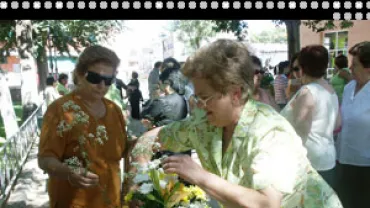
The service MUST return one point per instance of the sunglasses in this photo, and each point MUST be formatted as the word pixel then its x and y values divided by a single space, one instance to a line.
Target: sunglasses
pixel 95 78
pixel 259 72
pixel 295 68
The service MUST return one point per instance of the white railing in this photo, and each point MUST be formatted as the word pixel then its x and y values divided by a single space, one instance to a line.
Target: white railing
pixel 14 152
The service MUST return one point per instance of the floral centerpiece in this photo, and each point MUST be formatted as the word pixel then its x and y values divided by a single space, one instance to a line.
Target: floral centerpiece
pixel 157 189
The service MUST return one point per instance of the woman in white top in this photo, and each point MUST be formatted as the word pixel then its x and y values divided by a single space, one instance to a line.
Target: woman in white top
pixel 353 143
pixel 313 111
pixel 51 92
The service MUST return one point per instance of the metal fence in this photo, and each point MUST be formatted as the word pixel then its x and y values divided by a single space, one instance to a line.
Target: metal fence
pixel 14 152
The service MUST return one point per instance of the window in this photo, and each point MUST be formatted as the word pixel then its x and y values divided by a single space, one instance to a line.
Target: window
pixel 336 43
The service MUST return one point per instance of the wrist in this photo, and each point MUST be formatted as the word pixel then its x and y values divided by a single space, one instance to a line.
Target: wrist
pixel 203 178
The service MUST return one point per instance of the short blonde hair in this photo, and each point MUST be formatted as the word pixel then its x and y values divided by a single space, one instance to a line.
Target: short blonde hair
pixel 225 63
pixel 93 55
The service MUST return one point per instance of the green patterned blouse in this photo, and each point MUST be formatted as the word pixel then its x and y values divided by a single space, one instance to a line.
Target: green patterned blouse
pixel 264 151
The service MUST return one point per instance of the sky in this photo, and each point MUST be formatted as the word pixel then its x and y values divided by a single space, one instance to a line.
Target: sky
pixel 144 31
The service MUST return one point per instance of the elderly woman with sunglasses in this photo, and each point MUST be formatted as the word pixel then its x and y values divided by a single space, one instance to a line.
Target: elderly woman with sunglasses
pixel 83 137
pixel 250 155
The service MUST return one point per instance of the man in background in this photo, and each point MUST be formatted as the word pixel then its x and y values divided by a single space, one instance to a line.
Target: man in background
pixel 281 83
pixel 153 79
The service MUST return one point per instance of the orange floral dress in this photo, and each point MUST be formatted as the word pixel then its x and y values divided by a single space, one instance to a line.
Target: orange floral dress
pixel 69 131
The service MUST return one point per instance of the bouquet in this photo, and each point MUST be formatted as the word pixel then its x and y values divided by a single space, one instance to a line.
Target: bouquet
pixel 160 190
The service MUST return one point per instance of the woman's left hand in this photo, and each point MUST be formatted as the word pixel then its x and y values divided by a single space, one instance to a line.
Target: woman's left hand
pixel 185 167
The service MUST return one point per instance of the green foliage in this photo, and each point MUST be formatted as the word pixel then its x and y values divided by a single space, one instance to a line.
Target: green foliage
pixel 63 32
pixel 235 26
pixel 322 25
pixel 193 32
pixel 275 35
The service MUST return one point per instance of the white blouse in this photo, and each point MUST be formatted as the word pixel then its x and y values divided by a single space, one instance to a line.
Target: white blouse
pixel 353 143
pixel 319 141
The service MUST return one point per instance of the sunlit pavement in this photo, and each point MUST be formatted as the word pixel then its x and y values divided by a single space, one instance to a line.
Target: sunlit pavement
pixel 30 189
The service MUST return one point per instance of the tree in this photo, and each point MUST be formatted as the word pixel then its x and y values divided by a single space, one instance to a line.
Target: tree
pixel 274 35
pixel 238 27
pixel 292 28
pixel 193 32
pixel 60 34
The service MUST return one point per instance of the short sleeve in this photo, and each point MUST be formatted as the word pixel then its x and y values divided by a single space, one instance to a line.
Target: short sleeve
pixel 279 162
pixel 52 144
pixel 123 142
pixel 175 136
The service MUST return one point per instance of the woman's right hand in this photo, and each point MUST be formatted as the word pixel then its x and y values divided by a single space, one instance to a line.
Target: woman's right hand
pixel 83 180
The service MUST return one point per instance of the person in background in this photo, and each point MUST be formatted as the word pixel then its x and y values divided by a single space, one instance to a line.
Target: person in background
pixel 341 75
pixel 353 144
pixel 62 83
pixel 294 78
pixel 259 94
pixel 153 79
pixel 280 84
pixel 51 92
pixel 83 137
pixel 120 85
pixel 173 105
pixel 135 96
pixel 250 155
pixel 314 111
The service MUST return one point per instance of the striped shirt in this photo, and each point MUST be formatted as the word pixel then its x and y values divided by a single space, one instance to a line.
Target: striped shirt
pixel 280 84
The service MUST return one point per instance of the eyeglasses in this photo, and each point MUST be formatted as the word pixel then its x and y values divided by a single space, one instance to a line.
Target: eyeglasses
pixel 258 72
pixel 95 78
pixel 295 68
pixel 202 102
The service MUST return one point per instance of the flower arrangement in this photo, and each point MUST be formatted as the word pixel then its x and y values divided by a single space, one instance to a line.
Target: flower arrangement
pixel 157 189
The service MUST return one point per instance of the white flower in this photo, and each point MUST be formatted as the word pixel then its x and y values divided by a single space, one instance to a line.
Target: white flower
pixel 100 128
pixel 146 188
pixel 67 104
pixel 157 145
pixel 91 135
pixel 143 168
pixel 163 184
pixel 173 178
pixel 76 107
pixel 154 164
pixel 139 178
pixel 99 140
pixel 81 140
pixel 160 170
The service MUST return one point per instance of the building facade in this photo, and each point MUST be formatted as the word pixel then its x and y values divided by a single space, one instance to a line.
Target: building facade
pixel 337 41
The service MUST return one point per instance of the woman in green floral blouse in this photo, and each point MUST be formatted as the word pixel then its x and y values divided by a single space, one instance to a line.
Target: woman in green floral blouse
pixel 250 155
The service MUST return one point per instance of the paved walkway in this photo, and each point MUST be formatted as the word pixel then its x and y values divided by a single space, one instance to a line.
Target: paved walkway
pixel 30 189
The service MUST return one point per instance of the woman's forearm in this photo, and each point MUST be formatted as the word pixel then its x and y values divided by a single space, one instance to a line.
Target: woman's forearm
pixel 234 196
pixel 54 167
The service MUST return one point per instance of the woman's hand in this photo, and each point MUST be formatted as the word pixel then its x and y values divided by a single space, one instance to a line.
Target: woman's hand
pixel 185 167
pixel 83 180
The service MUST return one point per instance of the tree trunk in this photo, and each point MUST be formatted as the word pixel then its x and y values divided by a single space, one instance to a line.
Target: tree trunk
pixel 43 71
pixel 293 36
